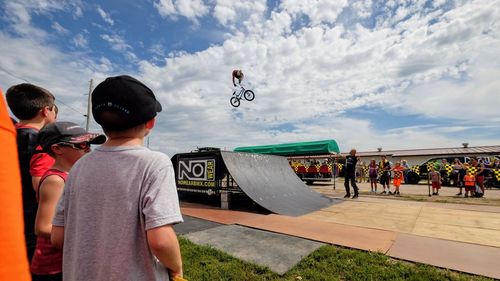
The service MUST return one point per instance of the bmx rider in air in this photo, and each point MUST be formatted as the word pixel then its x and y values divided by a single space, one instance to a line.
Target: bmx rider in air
pixel 237 74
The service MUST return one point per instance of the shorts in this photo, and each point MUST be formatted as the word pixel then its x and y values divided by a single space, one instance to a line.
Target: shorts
pixel 397 182
pixel 436 185
pixel 480 180
pixel 470 188
pixel 384 179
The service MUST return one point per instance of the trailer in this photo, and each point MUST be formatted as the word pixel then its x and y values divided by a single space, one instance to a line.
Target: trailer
pixel 311 161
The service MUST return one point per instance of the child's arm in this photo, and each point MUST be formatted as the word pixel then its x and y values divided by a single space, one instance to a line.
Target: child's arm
pixel 164 245
pixel 49 193
pixel 57 236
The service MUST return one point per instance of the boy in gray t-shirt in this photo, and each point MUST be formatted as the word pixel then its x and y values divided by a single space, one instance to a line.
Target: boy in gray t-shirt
pixel 114 220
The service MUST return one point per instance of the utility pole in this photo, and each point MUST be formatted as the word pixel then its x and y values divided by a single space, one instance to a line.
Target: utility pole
pixel 89 106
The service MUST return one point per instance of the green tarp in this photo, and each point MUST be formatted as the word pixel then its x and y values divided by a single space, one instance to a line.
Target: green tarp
pixel 297 148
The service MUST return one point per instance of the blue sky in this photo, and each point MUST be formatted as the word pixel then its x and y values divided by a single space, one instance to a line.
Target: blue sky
pixel 393 74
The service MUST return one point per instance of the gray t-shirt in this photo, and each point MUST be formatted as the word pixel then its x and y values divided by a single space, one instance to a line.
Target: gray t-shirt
pixel 111 197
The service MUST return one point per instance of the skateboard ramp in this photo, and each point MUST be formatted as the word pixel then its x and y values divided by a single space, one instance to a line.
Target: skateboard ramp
pixel 270 182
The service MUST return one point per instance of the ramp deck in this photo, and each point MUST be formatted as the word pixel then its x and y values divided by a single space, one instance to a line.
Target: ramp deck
pixel 270 182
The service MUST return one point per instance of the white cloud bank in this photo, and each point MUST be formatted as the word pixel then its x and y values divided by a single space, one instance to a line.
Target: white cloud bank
pixel 310 63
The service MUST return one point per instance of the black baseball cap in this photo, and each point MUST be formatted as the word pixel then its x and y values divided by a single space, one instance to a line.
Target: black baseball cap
pixel 131 102
pixel 66 132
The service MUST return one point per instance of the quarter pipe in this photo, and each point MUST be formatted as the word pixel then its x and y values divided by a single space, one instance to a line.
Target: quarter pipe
pixel 267 179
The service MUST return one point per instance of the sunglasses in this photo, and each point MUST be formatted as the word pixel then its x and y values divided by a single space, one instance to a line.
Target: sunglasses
pixel 81 145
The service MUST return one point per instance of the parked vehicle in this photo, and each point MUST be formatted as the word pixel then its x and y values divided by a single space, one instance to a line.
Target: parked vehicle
pixel 420 172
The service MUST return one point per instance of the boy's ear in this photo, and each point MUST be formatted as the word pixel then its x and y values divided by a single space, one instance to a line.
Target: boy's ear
pixel 150 124
pixel 56 149
pixel 46 111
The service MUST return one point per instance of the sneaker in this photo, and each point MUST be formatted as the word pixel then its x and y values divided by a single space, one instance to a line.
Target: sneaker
pixel 347 196
pixel 383 192
pixel 355 196
pixel 460 193
pixel 390 193
pixel 397 192
pixel 466 196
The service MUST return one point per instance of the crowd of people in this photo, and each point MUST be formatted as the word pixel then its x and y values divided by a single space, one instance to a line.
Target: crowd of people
pixel 114 205
pixel 469 177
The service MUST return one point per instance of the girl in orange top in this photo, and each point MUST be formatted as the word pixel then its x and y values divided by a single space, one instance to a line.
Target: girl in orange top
pixel 398 176
pixel 470 184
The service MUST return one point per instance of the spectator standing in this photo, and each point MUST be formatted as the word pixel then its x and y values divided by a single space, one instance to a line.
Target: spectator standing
pixel 349 174
pixel 120 201
pixel 34 107
pixel 406 170
pixel 398 176
pixel 479 175
pixel 385 177
pixel 435 178
pixel 457 176
pixel 66 142
pixel 469 182
pixel 443 172
pixel 372 173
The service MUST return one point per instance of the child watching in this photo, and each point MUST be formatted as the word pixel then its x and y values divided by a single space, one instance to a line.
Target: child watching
pixel 114 220
pixel 372 173
pixel 435 178
pixel 398 176
pixel 34 107
pixel 66 142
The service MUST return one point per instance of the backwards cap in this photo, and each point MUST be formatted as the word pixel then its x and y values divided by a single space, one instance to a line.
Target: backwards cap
pixel 131 102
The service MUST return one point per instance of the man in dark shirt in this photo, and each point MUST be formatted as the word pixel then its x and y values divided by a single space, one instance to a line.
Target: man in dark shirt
pixel 350 174
pixel 385 177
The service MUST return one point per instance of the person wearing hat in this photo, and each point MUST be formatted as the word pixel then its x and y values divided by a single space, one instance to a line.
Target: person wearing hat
pixel 66 142
pixel 120 201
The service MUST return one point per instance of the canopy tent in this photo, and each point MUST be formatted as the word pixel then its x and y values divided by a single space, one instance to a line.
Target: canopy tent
pixel 294 149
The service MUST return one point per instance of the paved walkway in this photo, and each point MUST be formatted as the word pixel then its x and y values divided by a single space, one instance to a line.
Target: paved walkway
pixel 460 237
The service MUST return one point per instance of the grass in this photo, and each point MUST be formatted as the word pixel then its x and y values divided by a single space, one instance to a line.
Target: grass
pixel 324 264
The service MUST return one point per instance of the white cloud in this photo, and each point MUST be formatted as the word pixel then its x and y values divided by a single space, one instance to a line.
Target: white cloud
pixel 105 16
pixel 191 9
pixel 78 12
pixel 438 66
pixel 81 41
pixel 235 14
pixel 116 42
pixel 311 76
pixel 59 28
pixel 63 74
pixel 318 11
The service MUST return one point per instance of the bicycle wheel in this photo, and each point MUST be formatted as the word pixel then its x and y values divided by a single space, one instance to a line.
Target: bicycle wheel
pixel 235 101
pixel 249 95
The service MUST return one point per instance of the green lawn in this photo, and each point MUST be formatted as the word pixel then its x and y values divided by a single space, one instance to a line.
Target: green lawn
pixel 326 263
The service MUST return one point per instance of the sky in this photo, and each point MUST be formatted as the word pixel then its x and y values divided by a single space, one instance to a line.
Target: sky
pixel 396 74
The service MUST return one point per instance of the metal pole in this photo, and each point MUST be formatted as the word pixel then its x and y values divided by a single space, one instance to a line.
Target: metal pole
pixel 334 170
pixel 89 106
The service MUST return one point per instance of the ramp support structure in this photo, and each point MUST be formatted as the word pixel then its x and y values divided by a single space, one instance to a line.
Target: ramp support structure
pixel 225 200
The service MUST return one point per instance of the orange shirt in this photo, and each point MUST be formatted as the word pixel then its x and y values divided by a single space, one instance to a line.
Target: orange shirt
pixel 398 172
pixel 469 180
pixel 13 259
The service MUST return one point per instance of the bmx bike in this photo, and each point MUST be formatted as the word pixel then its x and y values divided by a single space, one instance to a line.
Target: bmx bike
pixel 243 93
